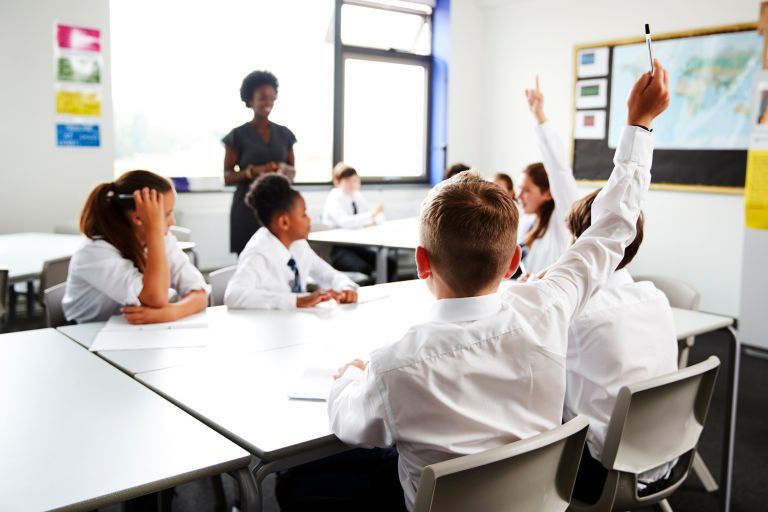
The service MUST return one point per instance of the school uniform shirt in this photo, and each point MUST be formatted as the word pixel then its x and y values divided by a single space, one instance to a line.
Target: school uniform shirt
pixel 546 250
pixel 344 211
pixel 625 334
pixel 101 280
pixel 264 279
pixel 490 370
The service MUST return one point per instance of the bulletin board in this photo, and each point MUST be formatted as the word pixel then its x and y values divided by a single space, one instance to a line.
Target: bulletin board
pixel 701 140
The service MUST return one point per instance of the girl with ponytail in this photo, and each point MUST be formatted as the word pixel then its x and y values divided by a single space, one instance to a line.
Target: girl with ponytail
pixel 130 262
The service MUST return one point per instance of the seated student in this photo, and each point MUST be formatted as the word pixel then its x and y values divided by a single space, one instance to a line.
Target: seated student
pixel 504 181
pixel 455 169
pixel 485 369
pixel 276 264
pixel 345 207
pixel 624 334
pixel 130 261
pixel 547 191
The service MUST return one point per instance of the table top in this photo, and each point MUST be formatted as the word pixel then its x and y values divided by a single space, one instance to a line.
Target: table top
pixel 78 433
pixel 23 254
pixel 693 323
pixel 396 234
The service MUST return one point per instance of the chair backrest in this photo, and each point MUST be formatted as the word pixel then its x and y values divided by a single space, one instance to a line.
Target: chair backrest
pixel 54 272
pixel 219 279
pixel 181 234
pixel 656 420
pixel 54 313
pixel 3 289
pixel 535 474
pixel 679 293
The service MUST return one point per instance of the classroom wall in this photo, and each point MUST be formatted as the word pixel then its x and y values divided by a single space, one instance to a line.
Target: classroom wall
pixel 695 237
pixel 42 186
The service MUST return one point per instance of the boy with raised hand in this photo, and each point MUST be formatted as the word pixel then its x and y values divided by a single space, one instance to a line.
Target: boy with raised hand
pixel 487 369
pixel 273 269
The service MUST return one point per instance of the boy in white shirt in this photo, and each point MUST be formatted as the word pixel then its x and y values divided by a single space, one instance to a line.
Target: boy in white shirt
pixel 487 369
pixel 346 207
pixel 624 334
pixel 276 264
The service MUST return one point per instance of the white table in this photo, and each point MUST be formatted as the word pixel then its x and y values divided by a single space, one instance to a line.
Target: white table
pixel 392 234
pixel 260 359
pixel 78 434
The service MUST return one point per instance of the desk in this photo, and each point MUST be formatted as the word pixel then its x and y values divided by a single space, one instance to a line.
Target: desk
pixel 78 434
pixel 693 323
pixel 392 234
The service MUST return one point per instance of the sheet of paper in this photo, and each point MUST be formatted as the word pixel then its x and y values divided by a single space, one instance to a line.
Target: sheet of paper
pixel 119 323
pixel 592 62
pixel 592 93
pixel 590 124
pixel 314 384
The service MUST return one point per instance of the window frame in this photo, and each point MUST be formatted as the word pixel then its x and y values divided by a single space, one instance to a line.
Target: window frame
pixel 342 52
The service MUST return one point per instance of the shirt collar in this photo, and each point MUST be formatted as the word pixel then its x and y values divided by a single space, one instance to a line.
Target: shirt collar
pixel 276 246
pixel 466 309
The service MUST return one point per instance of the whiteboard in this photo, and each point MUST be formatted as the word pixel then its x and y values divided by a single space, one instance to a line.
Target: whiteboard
pixel 753 318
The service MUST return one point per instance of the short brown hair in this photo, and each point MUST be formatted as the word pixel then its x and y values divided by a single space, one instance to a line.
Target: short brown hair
pixel 454 170
pixel 469 227
pixel 342 170
pixel 579 218
pixel 508 183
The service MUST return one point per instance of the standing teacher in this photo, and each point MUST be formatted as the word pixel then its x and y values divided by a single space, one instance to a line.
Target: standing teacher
pixel 257 147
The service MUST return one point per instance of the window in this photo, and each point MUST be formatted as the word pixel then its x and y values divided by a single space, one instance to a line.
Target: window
pixel 382 91
pixel 176 73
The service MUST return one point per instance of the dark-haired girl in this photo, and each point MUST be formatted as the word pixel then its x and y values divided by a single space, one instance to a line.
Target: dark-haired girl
pixel 258 147
pixel 547 191
pixel 130 264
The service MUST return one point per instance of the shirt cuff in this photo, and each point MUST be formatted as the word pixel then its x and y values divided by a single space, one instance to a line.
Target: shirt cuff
pixel 635 145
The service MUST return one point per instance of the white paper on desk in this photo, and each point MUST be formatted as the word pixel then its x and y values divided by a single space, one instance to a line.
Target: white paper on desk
pixel 118 334
pixel 314 384
pixel 369 294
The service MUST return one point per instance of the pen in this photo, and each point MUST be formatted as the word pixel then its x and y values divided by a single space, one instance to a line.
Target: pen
pixel 648 42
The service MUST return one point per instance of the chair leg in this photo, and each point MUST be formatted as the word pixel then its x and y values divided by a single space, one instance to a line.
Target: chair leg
pixel 702 471
pixel 664 506
pixel 219 498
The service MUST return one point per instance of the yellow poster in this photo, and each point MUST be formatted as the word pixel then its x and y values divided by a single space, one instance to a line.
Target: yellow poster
pixel 78 103
pixel 756 190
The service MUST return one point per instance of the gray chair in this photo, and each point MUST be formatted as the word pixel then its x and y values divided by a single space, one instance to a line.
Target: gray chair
pixel 653 422
pixel 185 235
pixel 54 272
pixel 531 475
pixel 54 313
pixel 218 280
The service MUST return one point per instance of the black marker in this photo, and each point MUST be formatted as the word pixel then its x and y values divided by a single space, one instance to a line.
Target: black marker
pixel 648 42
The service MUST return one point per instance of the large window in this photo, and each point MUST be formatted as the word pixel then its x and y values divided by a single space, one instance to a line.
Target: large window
pixel 354 83
pixel 382 88
pixel 176 73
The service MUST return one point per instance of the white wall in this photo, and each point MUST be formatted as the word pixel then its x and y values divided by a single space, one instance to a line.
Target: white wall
pixel 42 186
pixel 696 237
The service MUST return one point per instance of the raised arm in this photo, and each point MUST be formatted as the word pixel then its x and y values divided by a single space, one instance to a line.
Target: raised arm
pixel 562 184
pixel 597 252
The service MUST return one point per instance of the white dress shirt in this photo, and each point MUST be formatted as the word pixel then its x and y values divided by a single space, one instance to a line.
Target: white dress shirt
pixel 546 250
pixel 101 280
pixel 339 212
pixel 263 279
pixel 486 371
pixel 624 334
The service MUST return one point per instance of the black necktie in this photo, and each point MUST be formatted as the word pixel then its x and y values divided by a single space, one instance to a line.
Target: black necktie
pixel 296 288
pixel 354 208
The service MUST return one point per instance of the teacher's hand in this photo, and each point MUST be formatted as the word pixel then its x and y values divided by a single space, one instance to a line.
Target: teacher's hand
pixel 286 170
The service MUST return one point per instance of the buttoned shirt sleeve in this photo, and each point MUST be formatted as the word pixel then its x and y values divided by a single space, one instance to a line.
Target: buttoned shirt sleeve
pixel 103 267
pixel 562 184
pixel 250 287
pixel 185 277
pixel 593 258
pixel 357 410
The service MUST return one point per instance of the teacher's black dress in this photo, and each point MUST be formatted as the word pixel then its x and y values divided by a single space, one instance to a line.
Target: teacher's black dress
pixel 252 149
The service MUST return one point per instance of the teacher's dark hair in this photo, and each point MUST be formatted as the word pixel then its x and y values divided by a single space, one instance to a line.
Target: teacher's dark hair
pixel 105 213
pixel 253 81
pixel 270 196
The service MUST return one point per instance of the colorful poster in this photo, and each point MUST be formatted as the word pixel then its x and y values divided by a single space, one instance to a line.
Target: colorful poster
pixel 77 68
pixel 592 93
pixel 590 124
pixel 756 189
pixel 78 103
pixel 78 38
pixel 83 135
pixel 592 62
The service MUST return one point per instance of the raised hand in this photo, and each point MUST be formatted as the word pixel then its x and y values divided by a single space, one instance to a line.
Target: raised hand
pixel 536 102
pixel 150 209
pixel 649 96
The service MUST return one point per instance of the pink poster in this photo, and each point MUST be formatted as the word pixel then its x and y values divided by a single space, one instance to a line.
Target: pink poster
pixel 78 38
